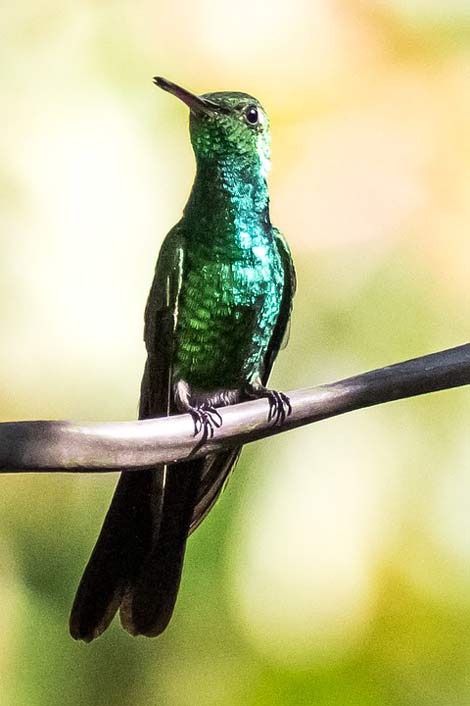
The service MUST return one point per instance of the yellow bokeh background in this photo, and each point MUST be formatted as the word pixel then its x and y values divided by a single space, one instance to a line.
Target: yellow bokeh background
pixel 335 570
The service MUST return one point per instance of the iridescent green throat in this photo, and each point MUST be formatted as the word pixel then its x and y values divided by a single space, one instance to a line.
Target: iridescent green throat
pixel 229 204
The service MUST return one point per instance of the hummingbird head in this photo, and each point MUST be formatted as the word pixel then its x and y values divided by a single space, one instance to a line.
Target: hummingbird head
pixel 226 126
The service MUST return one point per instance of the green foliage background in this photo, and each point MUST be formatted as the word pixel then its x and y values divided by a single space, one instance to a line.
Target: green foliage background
pixel 336 567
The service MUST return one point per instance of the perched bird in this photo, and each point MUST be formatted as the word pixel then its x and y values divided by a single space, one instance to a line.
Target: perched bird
pixel 216 316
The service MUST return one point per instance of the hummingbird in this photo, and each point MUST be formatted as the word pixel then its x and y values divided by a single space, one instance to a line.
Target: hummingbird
pixel 215 320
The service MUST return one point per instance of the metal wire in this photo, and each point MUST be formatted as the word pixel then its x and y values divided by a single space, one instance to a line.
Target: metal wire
pixel 55 446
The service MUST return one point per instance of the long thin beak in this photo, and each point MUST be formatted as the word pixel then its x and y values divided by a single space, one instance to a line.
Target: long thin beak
pixel 195 103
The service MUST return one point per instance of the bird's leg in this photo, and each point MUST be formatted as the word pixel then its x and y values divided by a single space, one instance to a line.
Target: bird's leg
pixel 205 416
pixel 279 403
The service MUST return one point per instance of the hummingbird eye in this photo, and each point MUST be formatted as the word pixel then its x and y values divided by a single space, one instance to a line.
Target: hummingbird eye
pixel 251 115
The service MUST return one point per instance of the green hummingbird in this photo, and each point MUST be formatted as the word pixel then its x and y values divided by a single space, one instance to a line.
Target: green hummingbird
pixel 215 319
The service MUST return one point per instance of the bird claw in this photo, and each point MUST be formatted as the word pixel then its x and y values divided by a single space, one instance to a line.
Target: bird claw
pixel 279 403
pixel 206 420
pixel 279 407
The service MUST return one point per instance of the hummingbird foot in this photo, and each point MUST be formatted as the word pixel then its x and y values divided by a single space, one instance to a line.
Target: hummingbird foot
pixel 206 417
pixel 206 420
pixel 279 404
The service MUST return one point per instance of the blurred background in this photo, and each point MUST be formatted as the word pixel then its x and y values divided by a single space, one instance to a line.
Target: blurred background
pixel 336 567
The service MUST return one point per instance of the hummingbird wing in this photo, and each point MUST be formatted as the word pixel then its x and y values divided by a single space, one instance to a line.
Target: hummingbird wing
pixel 133 519
pixel 149 600
pixel 215 473
pixel 281 328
